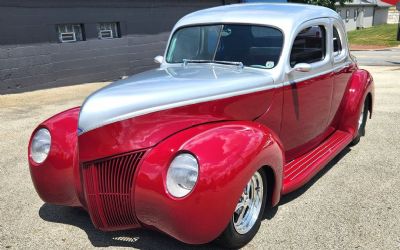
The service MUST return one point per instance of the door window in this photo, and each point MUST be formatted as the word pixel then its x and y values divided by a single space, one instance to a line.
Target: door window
pixel 309 46
pixel 337 43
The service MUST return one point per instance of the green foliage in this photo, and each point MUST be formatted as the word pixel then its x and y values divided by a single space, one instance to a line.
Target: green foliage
pixel 327 3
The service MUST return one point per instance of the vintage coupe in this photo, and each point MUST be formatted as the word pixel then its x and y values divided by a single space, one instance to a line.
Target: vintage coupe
pixel 249 103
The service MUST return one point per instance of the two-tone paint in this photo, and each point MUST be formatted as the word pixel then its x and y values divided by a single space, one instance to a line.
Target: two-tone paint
pixel 234 120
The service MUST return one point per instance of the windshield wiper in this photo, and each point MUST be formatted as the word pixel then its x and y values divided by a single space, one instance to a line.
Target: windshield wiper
pixel 186 61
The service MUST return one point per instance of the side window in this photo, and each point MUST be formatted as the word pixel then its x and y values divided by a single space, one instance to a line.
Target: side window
pixel 337 43
pixel 309 46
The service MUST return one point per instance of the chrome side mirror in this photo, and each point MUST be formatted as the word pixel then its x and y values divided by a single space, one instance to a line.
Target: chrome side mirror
pixel 158 59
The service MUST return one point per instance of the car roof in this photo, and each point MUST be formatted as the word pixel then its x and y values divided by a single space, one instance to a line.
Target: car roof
pixel 281 15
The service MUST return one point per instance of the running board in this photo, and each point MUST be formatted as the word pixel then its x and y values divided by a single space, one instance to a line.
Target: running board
pixel 299 171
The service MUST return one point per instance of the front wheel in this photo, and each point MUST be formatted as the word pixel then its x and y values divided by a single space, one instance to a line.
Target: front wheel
pixel 249 210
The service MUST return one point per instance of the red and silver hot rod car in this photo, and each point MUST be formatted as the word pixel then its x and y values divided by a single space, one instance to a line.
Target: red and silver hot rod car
pixel 250 101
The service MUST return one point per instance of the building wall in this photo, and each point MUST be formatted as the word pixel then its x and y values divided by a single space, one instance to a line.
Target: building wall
pixel 363 20
pixel 393 15
pixel 380 16
pixel 31 56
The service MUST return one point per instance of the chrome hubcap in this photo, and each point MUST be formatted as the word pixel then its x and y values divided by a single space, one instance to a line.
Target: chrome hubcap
pixel 249 205
pixel 360 119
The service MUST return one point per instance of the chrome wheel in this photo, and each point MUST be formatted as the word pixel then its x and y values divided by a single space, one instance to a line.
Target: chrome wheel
pixel 249 206
pixel 361 118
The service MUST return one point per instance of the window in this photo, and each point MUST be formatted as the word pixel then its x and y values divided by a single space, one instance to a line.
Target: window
pixel 337 43
pixel 355 14
pixel 347 15
pixel 254 46
pixel 70 33
pixel 309 46
pixel 339 12
pixel 108 30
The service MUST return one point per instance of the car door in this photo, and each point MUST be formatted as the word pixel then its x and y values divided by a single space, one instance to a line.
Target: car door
pixel 342 66
pixel 307 95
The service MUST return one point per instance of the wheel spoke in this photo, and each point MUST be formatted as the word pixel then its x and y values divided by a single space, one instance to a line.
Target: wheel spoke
pixel 241 215
pixel 239 205
pixel 249 205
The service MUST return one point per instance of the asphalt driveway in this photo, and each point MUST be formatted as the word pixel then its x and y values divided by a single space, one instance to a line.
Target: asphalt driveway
pixel 353 203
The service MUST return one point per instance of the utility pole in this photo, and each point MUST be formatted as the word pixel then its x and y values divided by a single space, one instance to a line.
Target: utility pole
pixel 398 23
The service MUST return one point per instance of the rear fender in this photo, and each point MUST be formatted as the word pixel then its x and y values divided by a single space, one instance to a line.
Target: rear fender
pixel 361 84
pixel 228 154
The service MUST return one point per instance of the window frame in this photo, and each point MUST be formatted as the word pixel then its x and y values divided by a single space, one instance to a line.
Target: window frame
pixel 278 64
pixel 72 32
pixel 336 53
pixel 114 29
pixel 318 22
pixel 347 15
pixel 340 57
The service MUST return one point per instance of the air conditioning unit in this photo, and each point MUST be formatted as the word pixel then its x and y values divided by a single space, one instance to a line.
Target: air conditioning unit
pixel 106 34
pixel 66 37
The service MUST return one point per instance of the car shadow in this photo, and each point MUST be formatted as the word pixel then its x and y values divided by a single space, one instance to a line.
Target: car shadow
pixel 149 239
pixel 137 238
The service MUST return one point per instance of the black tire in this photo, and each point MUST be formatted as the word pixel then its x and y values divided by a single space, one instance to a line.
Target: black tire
pixel 361 129
pixel 230 238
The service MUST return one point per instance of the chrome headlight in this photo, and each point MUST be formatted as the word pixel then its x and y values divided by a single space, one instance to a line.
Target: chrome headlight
pixel 182 175
pixel 40 146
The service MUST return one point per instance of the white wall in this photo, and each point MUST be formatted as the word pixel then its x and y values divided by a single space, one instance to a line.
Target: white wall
pixel 393 15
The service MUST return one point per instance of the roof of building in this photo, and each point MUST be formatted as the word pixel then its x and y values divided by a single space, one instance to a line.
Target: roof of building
pixel 274 14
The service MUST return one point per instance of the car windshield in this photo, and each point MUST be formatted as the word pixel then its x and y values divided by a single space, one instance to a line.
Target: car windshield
pixel 248 45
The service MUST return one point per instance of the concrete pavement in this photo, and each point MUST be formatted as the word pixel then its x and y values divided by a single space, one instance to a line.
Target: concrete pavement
pixel 379 57
pixel 353 203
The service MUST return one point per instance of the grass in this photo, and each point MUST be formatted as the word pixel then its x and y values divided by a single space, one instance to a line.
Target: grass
pixel 380 35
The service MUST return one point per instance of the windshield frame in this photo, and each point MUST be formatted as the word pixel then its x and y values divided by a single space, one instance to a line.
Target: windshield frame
pixel 226 23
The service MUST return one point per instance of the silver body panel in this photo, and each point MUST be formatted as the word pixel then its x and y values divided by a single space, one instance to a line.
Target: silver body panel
pixel 162 89
pixel 174 85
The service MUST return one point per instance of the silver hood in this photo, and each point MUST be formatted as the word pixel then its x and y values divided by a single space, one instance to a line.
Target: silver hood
pixel 171 87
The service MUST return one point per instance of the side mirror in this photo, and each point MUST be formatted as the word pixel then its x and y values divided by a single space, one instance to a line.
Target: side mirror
pixel 302 67
pixel 158 59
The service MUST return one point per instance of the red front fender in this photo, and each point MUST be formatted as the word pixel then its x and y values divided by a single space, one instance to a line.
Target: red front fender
pixel 228 154
pixel 57 180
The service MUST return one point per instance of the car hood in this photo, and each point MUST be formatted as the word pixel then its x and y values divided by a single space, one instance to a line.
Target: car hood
pixel 166 88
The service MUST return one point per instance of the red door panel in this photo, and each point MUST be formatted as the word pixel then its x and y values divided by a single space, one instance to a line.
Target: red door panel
pixel 306 111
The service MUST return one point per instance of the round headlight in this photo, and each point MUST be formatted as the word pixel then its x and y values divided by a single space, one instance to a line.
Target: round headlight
pixel 182 175
pixel 40 146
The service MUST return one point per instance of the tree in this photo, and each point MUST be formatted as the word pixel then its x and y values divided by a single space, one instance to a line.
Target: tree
pixel 327 3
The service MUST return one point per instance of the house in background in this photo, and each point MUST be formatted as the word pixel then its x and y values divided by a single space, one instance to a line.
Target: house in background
pixel 359 14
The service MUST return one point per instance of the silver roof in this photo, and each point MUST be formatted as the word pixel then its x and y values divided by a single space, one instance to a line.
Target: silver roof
pixel 282 15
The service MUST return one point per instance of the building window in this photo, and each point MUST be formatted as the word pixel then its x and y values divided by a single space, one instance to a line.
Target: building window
pixel 339 12
pixel 355 14
pixel 309 46
pixel 70 33
pixel 108 30
pixel 347 15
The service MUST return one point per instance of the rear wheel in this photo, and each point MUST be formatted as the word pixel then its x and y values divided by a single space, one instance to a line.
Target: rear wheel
pixel 362 121
pixel 246 219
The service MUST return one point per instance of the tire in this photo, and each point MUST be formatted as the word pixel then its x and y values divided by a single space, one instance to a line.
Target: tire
pixel 239 232
pixel 362 121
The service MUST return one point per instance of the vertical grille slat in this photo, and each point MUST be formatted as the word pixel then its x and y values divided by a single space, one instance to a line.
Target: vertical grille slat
pixel 108 184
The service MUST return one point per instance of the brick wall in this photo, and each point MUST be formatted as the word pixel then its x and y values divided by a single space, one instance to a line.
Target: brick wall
pixel 32 58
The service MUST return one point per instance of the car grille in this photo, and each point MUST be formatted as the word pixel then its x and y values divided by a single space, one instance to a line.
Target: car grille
pixel 108 183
